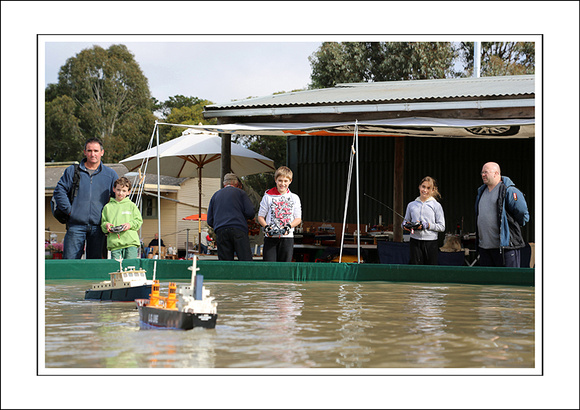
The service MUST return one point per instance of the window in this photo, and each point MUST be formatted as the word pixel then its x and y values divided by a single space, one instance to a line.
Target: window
pixel 149 207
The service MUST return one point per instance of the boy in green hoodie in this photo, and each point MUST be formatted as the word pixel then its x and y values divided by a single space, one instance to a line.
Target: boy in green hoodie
pixel 121 220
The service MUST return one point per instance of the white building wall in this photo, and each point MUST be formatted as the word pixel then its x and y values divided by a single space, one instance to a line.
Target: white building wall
pixel 189 194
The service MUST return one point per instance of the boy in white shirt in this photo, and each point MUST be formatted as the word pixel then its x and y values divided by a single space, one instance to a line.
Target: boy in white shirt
pixel 280 212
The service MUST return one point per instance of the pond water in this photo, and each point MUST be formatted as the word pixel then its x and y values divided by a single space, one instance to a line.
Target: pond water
pixel 314 325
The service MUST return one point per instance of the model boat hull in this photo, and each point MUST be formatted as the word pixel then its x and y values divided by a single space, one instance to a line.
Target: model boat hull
pixel 128 294
pixel 174 319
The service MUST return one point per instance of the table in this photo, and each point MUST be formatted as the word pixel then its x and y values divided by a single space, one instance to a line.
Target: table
pixel 362 246
pixel 369 237
pixel 309 253
pixel 206 257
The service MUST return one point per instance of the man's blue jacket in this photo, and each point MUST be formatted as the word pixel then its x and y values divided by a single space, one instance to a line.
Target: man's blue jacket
pixel 93 193
pixel 230 207
pixel 512 211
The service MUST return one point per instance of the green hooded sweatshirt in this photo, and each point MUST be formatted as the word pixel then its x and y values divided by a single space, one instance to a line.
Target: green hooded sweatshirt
pixel 119 213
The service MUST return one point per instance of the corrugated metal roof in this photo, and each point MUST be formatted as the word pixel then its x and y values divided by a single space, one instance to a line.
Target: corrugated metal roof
pixel 452 88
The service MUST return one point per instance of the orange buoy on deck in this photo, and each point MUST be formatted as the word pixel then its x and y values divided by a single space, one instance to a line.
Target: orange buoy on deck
pixel 154 296
pixel 172 296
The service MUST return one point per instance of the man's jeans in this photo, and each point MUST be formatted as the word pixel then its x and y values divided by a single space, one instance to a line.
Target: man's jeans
pixel 74 242
pixel 493 257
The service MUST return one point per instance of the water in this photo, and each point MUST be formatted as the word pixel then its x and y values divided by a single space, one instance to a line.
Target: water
pixel 303 325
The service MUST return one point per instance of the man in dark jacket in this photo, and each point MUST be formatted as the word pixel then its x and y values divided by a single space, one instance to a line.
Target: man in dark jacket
pixel 500 210
pixel 94 191
pixel 228 213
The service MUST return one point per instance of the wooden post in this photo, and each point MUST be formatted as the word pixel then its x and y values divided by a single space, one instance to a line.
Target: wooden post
pixel 398 177
pixel 226 156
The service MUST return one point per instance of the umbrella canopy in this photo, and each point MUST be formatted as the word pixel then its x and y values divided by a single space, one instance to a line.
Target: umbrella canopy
pixel 195 217
pixel 198 153
pixel 183 156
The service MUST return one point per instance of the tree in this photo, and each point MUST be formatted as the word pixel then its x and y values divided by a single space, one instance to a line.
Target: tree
pixel 416 61
pixel 182 110
pixel 335 63
pixel 111 100
pixel 178 101
pixel 500 58
pixel 60 121
pixel 350 62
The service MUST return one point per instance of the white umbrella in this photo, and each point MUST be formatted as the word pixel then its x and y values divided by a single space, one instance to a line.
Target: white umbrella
pixel 194 150
pixel 197 152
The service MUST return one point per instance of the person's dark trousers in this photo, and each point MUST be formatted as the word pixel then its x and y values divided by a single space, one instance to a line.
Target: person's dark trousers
pixel 75 238
pixel 423 252
pixel 493 257
pixel 230 241
pixel 278 249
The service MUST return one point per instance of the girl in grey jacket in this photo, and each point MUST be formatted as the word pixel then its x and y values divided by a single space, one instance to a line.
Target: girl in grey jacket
pixel 426 211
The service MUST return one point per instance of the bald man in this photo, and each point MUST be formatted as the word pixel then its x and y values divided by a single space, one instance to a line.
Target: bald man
pixel 500 211
pixel 228 213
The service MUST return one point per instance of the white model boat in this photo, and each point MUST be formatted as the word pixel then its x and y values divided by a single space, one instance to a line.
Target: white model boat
pixel 125 285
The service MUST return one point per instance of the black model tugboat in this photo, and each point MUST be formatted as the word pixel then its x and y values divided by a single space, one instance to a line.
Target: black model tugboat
pixel 185 307
pixel 125 286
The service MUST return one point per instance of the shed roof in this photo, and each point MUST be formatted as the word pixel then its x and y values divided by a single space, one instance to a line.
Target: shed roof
pixel 53 172
pixel 520 86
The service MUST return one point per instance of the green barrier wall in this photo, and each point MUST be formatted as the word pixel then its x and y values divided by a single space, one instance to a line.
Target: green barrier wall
pixel 98 270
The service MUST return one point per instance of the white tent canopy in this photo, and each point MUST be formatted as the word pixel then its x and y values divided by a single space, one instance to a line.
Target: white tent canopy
pixel 411 126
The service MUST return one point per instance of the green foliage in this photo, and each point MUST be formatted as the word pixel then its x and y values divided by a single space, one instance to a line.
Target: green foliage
pixel 183 110
pixel 351 62
pixel 335 63
pixel 64 139
pixel 51 92
pixel 180 101
pixel 500 58
pixel 111 100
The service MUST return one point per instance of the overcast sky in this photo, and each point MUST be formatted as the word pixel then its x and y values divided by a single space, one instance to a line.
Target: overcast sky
pixel 217 70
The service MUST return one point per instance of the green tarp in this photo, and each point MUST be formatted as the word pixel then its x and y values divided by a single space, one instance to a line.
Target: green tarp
pixel 98 270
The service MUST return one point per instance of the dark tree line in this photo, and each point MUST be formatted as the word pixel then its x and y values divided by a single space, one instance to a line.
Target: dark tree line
pixel 348 62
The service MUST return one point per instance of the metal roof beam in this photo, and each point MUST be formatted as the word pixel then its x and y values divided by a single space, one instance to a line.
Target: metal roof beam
pixel 369 108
